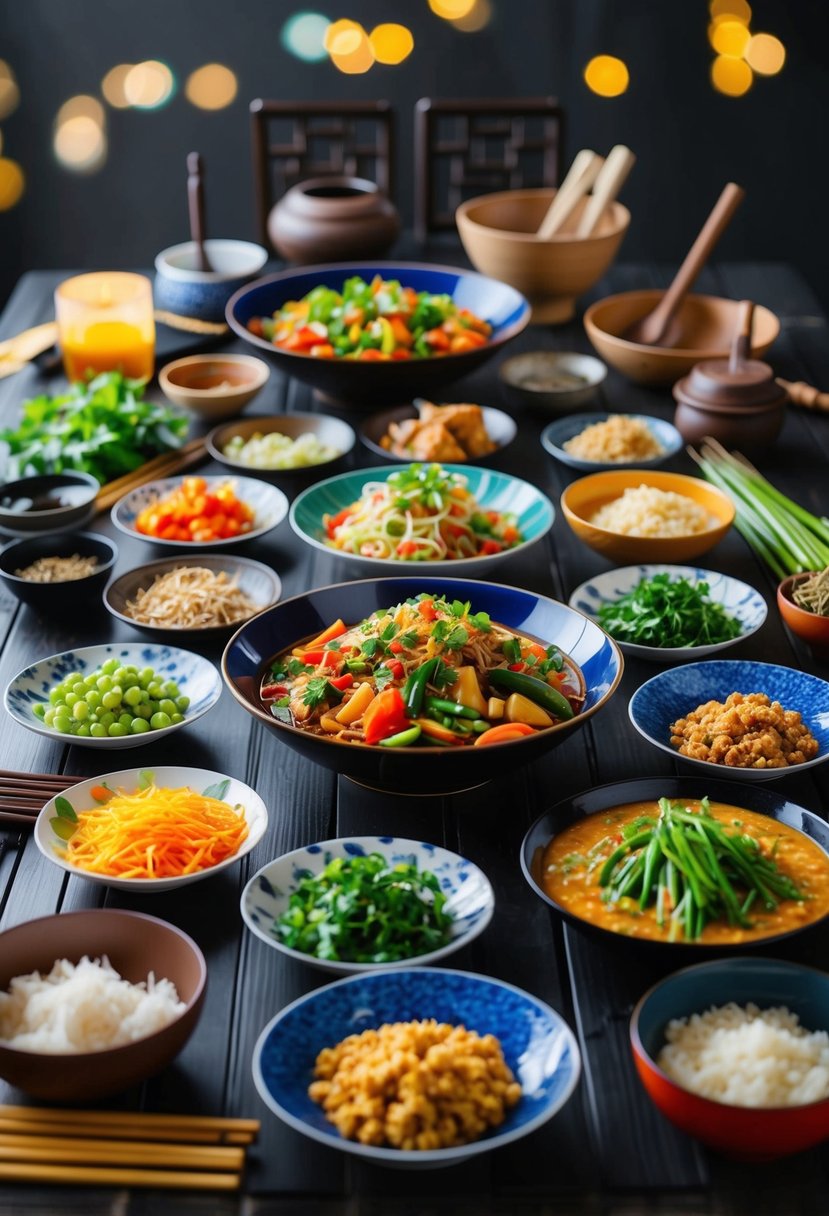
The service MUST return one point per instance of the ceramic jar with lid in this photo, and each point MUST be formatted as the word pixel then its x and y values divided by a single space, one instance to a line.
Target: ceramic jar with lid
pixel 333 219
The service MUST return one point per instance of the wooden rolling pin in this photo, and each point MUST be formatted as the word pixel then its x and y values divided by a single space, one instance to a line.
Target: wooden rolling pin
pixel 801 393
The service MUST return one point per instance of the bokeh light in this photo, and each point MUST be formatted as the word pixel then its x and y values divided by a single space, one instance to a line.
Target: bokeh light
pixel 9 92
pixel 148 85
pixel 212 87
pixel 730 76
pixel 335 29
pixel 80 144
pixel 350 50
pixel 81 106
pixel 451 10
pixel 1 141
pixel 476 19
pixel 391 43
pixel 607 76
pixel 766 54
pixel 737 10
pixel 730 38
pixel 113 85
pixel 304 36
pixel 12 183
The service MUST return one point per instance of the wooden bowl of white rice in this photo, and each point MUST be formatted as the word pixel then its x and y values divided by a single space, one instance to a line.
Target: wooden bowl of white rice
pixel 736 1053
pixel 94 1002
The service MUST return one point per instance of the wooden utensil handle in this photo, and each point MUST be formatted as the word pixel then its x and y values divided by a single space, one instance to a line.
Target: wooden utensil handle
pixel 697 256
pixel 609 182
pixel 195 204
pixel 583 172
pixel 801 393
pixel 741 345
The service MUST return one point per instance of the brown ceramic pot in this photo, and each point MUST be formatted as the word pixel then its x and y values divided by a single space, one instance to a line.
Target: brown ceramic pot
pixel 333 219
pixel 742 427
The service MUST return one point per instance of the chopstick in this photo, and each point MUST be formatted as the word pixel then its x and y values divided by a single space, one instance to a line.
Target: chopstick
pixel 73 1151
pixel 23 795
pixel 168 464
pixel 108 1176
pixel 24 1115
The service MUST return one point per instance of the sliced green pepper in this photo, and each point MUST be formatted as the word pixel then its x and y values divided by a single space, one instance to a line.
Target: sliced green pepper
pixel 414 690
pixel 511 649
pixel 529 686
pixel 403 738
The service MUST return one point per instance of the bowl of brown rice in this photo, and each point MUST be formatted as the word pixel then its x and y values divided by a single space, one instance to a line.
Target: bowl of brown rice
pixel 591 442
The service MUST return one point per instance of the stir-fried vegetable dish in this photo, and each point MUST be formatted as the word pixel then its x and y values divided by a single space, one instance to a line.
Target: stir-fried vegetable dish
pixel 379 321
pixel 421 513
pixel 428 672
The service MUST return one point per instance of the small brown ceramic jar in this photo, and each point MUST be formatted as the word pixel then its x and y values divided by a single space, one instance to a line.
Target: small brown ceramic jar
pixel 741 407
pixel 333 219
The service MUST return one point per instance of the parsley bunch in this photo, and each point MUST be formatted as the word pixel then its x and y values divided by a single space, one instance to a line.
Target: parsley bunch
pixel 659 612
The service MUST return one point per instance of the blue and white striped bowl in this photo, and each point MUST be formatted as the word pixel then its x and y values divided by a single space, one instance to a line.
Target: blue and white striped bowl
pixel 197 679
pixel 470 898
pixel 738 599
pixel 680 690
pixel 538 1046
pixel 492 490
pixel 554 437
pixel 268 503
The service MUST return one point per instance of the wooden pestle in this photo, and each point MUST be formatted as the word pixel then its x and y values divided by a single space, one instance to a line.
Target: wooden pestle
pixel 195 204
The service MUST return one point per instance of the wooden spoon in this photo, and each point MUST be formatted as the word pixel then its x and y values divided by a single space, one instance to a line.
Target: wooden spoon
pixel 611 178
pixel 583 172
pixel 651 330
pixel 195 204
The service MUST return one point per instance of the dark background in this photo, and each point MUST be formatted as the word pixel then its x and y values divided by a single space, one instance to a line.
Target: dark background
pixel 689 139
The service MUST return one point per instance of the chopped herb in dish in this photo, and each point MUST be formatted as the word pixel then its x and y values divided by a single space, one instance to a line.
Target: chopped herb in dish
pixel 663 612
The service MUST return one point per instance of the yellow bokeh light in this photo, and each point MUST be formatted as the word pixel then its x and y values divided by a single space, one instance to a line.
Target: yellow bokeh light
pixel 351 52
pixel 12 183
pixel 607 76
pixel 391 43
pixel 476 19
pixel 730 76
pixel 451 10
pixel 1 141
pixel 148 85
pixel 737 10
pixel 335 29
pixel 82 106
pixel 766 54
pixel 80 144
pixel 730 38
pixel 113 85
pixel 9 92
pixel 212 87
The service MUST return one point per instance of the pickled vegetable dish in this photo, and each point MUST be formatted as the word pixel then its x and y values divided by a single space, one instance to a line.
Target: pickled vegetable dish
pixel 378 321
pixel 421 513
pixel 428 672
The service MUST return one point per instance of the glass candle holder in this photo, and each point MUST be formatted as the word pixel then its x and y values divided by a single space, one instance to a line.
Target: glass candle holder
pixel 105 323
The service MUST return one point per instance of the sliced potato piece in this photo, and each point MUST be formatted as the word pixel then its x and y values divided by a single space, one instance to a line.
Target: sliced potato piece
pixel 467 691
pixel 522 709
pixel 356 705
pixel 495 709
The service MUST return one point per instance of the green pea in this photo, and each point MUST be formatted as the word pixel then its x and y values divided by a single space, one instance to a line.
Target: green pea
pixel 144 711
pixel 70 699
pixel 111 700
pixel 145 675
pixel 56 695
pixel 183 703
pixel 171 689
pixel 49 716
pixel 83 730
pixel 132 696
pixel 167 706
pixel 64 725
pixel 155 689
pixel 125 720
pixel 119 675
pixel 107 718
pixel 93 698
pixel 159 720
pixel 116 730
pixel 103 684
pixel 91 680
pixel 39 709
pixel 97 730
pixel 139 725
pixel 176 718
pixel 80 710
pixel 109 666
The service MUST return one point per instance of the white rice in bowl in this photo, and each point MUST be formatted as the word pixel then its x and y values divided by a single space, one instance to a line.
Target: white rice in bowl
pixel 747 1057
pixel 83 1007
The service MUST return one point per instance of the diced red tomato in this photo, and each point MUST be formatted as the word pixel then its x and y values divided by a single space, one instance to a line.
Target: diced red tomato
pixel 342 682
pixel 396 668
pixel 336 520
pixel 395 647
pixel 491 546
pixel 426 608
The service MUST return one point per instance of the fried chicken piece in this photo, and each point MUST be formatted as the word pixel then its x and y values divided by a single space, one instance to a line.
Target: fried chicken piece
pixel 466 423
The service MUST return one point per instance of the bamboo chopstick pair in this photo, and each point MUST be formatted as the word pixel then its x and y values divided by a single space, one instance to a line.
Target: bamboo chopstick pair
pixel 123 1148
pixel 23 794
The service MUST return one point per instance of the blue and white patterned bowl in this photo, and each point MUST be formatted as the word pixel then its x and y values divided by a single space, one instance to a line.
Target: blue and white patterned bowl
pixel 470 898
pixel 738 599
pixel 678 691
pixel 554 437
pixel 494 491
pixel 538 1046
pixel 196 677
pixel 79 797
pixel 269 504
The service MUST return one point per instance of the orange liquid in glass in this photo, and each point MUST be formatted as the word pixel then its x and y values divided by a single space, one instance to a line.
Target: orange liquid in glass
pixel 109 346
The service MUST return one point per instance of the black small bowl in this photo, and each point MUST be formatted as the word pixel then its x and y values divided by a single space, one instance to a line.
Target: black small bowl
pixel 331 431
pixel 58 597
pixel 499 426
pixel 76 488
pixel 649 789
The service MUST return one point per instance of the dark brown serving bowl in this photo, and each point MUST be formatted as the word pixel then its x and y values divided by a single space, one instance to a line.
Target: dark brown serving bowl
pixel 135 944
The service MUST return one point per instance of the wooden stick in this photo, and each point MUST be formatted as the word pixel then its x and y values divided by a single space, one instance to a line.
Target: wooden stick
pixel 104 1131
pixel 88 1175
pixel 11 774
pixel 582 174
pixel 75 1118
pixel 24 820
pixel 67 1151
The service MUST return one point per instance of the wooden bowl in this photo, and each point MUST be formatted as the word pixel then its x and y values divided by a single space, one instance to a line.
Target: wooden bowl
pixel 812 628
pixel 702 329
pixel 498 232
pixel 213 386
pixel 583 498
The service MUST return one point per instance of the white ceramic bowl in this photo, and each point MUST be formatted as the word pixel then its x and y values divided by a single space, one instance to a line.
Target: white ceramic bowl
pixel 197 679
pixel 172 776
pixel 270 506
pixel 469 894
pixel 740 600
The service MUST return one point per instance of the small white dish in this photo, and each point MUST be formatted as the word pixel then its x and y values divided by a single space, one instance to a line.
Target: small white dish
pixel 269 504
pixel 80 798
pixel 738 599
pixel 470 897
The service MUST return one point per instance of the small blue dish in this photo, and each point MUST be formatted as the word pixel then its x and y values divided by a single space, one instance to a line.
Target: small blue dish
pixel 469 896
pixel 182 288
pixel 363 384
pixel 680 690
pixel 538 1046
pixel 740 601
pixel 554 437
pixel 493 491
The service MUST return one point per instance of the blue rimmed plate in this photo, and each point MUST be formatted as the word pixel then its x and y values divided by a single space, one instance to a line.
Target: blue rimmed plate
pixel 538 1046
pixel 493 491
pixel 469 896
pixel 680 690
pixel 268 503
pixel 197 679
pixel 741 601
pixel 554 437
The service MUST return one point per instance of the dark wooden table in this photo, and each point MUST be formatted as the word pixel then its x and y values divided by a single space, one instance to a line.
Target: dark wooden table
pixel 608 1151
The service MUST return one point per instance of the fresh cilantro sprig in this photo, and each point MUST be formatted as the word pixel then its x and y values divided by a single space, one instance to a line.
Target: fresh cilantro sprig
pixel 661 612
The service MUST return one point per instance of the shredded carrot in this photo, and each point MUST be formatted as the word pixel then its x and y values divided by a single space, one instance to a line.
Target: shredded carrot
pixel 156 833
